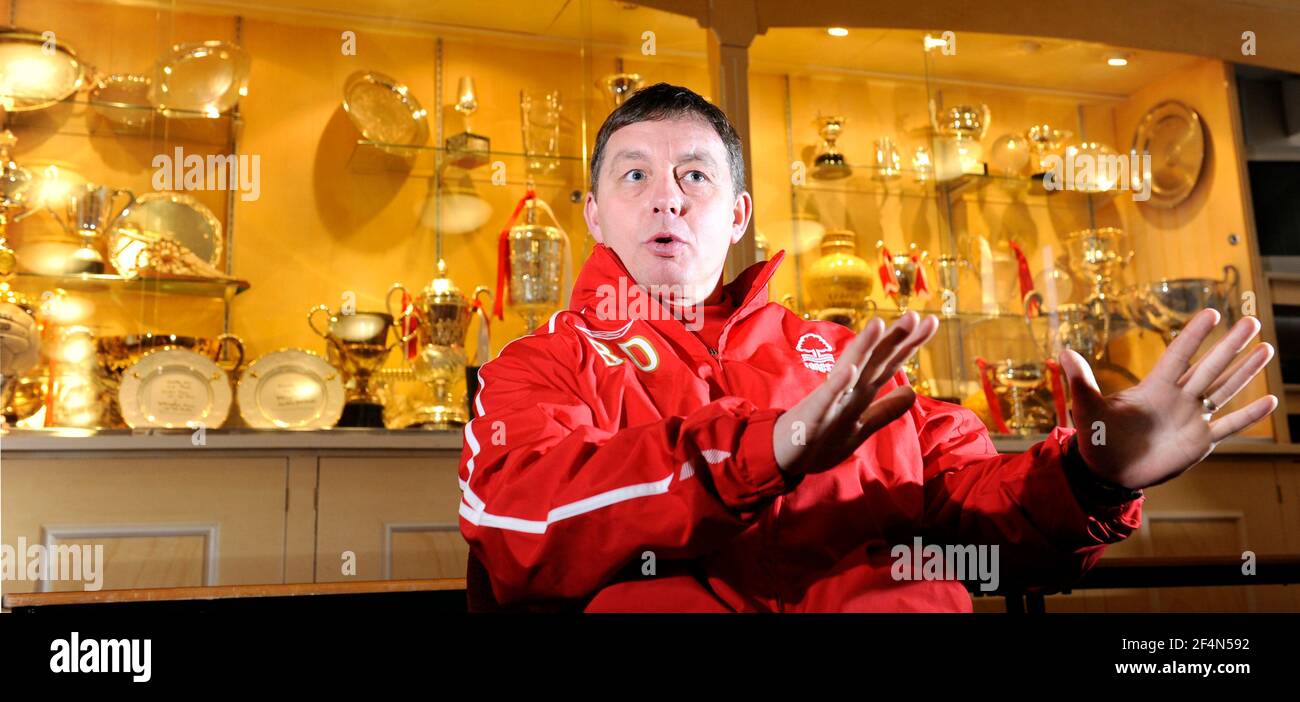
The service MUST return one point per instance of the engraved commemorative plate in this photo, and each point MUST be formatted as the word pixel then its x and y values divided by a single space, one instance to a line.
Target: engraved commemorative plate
pixel 1172 134
pixel 385 111
pixel 36 70
pixel 174 388
pixel 199 80
pixel 291 389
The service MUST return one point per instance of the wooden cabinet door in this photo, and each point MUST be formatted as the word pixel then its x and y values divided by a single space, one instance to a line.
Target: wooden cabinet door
pixel 1224 507
pixel 160 521
pixel 395 517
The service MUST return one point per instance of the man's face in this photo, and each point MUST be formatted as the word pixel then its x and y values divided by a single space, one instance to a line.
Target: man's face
pixel 666 204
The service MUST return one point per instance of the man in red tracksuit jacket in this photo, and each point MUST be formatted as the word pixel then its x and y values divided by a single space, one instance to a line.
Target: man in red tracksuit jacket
pixel 671 443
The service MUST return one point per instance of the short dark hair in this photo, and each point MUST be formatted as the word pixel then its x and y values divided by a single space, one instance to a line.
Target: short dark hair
pixel 664 101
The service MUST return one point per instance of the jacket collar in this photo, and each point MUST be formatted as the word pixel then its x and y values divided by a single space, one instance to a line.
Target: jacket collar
pixel 604 271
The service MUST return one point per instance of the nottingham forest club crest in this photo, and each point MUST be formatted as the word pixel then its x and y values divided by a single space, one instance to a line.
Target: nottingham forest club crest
pixel 816 353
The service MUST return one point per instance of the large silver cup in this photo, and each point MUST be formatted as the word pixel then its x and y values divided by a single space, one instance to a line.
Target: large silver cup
pixel 89 211
pixel 1166 306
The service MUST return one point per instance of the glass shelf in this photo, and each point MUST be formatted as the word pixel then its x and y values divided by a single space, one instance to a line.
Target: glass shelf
pixel 423 161
pixel 35 283
pixel 888 314
pixel 81 116
pixel 868 180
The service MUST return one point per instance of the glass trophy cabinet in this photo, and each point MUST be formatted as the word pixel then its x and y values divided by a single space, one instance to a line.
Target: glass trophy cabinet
pixel 313 217
pixel 1036 194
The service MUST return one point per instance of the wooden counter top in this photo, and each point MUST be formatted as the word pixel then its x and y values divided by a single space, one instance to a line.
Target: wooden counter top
pixel 223 592
pixel 113 440
pixel 64 440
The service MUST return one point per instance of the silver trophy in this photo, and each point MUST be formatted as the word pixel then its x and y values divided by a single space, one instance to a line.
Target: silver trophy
pixel 1166 306
pixel 536 267
pixel 949 269
pixel 90 211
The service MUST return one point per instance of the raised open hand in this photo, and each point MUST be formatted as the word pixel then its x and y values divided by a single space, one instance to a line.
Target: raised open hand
pixel 1164 425
pixel 830 423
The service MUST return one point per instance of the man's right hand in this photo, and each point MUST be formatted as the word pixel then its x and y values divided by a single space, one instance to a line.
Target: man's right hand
pixel 828 425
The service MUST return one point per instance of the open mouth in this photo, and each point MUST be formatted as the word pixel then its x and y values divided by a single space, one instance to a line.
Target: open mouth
pixel 666 245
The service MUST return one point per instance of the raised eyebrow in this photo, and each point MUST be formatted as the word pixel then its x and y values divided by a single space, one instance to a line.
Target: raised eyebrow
pixel 629 154
pixel 697 156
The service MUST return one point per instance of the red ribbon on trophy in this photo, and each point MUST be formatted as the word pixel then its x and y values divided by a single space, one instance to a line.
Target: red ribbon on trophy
pixel 1058 393
pixel 888 282
pixel 1026 280
pixel 920 288
pixel 484 331
pixel 995 410
pixel 503 256
pixel 411 348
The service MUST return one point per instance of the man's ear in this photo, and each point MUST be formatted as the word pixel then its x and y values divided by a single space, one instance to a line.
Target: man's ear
pixel 593 222
pixel 741 213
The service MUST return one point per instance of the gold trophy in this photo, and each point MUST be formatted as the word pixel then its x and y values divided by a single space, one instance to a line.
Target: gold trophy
pixel 830 164
pixel 442 314
pixel 15 183
pixel 1098 255
pixel 537 255
pixel 620 86
pixel 839 284
pixel 20 351
pixel 89 213
pixel 1024 380
pixel 358 345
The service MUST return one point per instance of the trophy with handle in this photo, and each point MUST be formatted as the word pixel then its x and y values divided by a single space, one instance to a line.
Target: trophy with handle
pixel 440 316
pixel 1167 305
pixel 903 275
pixel 89 212
pixel 358 344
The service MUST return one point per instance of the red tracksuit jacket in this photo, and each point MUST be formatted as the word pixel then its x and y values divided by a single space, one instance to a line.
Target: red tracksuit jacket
pixel 603 444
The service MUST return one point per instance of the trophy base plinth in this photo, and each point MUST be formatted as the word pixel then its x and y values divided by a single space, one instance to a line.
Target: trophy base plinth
pixel 362 414
pixel 78 267
pixel 831 167
pixel 441 417
pixel 468 151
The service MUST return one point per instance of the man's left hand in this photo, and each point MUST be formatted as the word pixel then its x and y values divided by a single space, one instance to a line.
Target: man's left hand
pixel 1159 428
